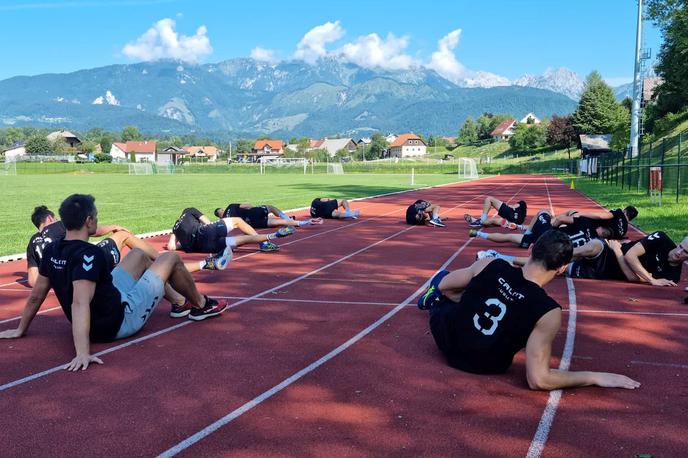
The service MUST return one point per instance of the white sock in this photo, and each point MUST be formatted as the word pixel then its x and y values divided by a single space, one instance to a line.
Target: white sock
pixel 505 257
pixel 482 235
pixel 304 222
pixel 202 264
pixel 231 242
pixel 483 217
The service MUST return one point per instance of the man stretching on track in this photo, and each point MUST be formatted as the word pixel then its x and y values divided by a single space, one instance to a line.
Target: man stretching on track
pixel 194 233
pixel 263 216
pixel 506 213
pixel 423 212
pixel 105 305
pixel 323 207
pixel 484 314
pixel 654 259
pixel 580 231
pixel 616 220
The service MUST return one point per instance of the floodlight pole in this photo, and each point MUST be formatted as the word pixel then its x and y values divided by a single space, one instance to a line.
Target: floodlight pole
pixel 637 84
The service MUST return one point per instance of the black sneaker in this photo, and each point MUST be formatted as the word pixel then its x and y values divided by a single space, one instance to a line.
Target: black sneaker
pixel 433 294
pixel 180 311
pixel 213 307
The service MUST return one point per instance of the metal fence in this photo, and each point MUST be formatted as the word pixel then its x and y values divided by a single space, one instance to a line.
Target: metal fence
pixel 669 155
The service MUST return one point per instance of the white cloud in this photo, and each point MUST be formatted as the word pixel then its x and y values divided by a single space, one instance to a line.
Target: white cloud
pixel 312 45
pixel 373 51
pixel 163 42
pixel 263 55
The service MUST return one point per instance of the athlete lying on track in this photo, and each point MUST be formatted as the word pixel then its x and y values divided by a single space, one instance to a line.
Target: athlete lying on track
pixel 101 304
pixel 323 207
pixel 505 213
pixel 616 220
pixel 423 212
pixel 262 216
pixel 482 315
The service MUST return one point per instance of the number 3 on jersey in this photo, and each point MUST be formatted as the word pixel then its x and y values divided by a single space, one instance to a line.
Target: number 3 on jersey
pixel 494 318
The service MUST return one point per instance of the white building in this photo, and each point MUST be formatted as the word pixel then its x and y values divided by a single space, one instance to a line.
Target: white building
pixel 332 145
pixel 15 151
pixel 408 145
pixel 530 118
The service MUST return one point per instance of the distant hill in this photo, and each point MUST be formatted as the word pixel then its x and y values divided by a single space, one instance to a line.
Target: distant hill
pixel 245 97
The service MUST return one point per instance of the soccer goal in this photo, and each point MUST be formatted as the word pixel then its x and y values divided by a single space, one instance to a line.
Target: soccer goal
pixel 140 168
pixel 467 169
pixel 166 168
pixel 284 164
pixel 335 168
pixel 8 168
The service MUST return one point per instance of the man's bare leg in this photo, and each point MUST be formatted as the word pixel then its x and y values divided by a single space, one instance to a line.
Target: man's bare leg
pixel 347 213
pixel 170 268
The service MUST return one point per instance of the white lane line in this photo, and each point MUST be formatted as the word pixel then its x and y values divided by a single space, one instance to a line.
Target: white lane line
pixel 654 363
pixel 13 283
pixel 620 312
pixel 52 370
pixel 186 443
pixel 307 301
pixel 39 313
pixel 537 445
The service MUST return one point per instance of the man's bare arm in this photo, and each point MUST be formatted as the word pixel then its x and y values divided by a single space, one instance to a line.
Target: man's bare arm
pixel 456 282
pixel 32 275
pixel 106 229
pixel 204 219
pixel 615 245
pixel 542 377
pixel 81 324
pixel 632 258
pixel 33 304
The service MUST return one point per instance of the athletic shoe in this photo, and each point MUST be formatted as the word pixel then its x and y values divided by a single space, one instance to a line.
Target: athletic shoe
pixel 180 311
pixel 508 224
pixel 210 263
pixel 436 222
pixel 285 231
pixel 213 307
pixel 486 254
pixel 268 246
pixel 473 233
pixel 473 222
pixel 222 259
pixel 432 295
pixel 315 221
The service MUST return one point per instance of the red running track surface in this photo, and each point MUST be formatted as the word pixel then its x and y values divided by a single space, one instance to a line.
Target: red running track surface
pixel 324 353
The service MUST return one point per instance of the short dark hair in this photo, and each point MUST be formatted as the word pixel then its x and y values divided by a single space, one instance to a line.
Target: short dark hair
pixel 412 216
pixel 75 209
pixel 40 214
pixel 553 249
pixel 218 212
pixel 631 212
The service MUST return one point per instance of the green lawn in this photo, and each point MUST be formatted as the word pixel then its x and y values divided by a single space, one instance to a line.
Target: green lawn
pixel 152 203
pixel 670 217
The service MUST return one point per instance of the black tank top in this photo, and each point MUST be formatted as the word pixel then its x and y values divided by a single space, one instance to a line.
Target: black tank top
pixel 494 318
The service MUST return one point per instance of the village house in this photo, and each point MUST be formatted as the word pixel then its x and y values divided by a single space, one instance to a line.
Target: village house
pixel 210 152
pixel 134 151
pixel 408 145
pixel 504 131
pixel 265 150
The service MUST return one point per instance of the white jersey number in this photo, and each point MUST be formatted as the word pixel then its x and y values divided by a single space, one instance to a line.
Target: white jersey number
pixel 578 239
pixel 494 318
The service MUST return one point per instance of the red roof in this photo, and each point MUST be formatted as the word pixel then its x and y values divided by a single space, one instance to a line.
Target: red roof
pixel 502 127
pixel 137 147
pixel 316 143
pixel 403 138
pixel 274 144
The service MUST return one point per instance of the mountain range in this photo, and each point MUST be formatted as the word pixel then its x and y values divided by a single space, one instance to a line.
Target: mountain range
pixel 245 97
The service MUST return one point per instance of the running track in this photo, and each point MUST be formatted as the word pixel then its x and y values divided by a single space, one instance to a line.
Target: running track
pixel 323 353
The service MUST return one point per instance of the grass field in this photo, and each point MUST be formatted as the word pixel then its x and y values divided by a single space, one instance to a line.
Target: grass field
pixel 670 217
pixel 152 203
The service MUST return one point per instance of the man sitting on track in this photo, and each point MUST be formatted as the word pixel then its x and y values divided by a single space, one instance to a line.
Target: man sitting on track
pixel 262 216
pixel 194 233
pixel 322 207
pixel 616 220
pixel 482 315
pixel 506 213
pixel 104 305
pixel 423 212
pixel 580 231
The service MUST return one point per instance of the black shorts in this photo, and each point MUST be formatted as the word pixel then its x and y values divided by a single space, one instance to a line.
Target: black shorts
pixel 256 217
pixel 542 225
pixel 112 254
pixel 323 209
pixel 602 267
pixel 210 238
pixel 515 216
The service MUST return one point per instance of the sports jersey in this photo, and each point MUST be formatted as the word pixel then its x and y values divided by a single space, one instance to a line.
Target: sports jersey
pixel 66 261
pixel 323 208
pixel 418 207
pixel 618 224
pixel 493 320
pixel 40 240
pixel 581 231
pixel 186 227
pixel 656 258
pixel 256 217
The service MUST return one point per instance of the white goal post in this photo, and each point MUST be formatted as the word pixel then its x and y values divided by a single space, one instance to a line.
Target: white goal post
pixel 335 168
pixel 140 168
pixel 467 168
pixel 8 168
pixel 282 163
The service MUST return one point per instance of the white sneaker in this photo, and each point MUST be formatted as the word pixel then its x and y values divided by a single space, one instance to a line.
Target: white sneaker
pixel 486 254
pixel 222 259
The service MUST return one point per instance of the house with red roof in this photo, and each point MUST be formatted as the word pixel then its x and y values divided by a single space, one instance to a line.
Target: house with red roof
pixel 134 151
pixel 408 145
pixel 504 131
pixel 266 149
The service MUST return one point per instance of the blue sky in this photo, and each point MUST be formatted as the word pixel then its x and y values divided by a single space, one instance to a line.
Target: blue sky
pixel 502 37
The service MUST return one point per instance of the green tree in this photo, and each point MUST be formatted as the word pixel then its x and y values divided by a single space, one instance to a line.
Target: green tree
pixel 377 147
pixel 561 133
pixel 244 146
pixel 672 65
pixel 39 144
pixel 106 142
pixel 597 112
pixel 527 137
pixel 468 133
pixel 131 133
pixel 88 146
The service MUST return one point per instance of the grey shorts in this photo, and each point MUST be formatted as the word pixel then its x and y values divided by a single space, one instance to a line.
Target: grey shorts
pixel 139 298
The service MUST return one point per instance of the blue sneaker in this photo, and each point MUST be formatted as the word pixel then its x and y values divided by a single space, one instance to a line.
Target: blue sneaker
pixel 268 246
pixel 433 294
pixel 285 231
